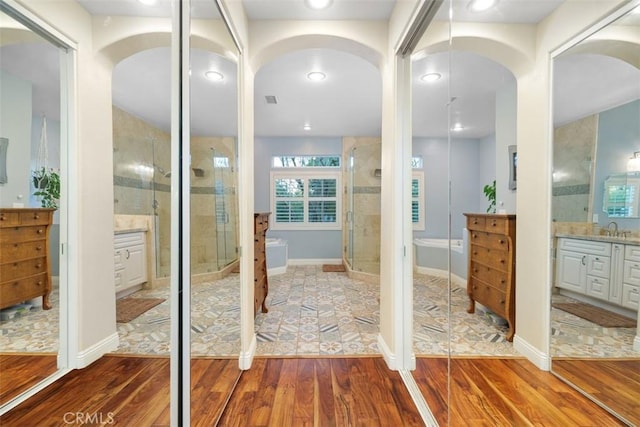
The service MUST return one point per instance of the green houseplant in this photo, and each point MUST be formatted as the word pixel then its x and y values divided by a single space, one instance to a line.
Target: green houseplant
pixel 47 185
pixel 489 191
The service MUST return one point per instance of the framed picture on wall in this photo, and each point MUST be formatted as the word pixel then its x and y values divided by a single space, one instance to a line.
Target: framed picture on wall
pixel 513 166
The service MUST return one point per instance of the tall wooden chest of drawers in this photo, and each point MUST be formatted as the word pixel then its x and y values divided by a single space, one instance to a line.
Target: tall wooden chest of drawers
pixel 25 270
pixel 261 284
pixel 492 269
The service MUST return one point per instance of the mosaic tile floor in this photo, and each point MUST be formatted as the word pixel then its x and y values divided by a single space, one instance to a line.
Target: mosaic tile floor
pixel 316 313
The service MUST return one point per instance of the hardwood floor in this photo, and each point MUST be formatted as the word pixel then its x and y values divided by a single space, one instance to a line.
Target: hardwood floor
pixel 320 392
pixel 134 391
pixel 504 392
pixel 20 372
pixel 614 382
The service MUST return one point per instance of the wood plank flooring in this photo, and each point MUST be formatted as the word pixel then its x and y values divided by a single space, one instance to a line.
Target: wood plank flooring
pixel 20 372
pixel 504 392
pixel 134 391
pixel 615 383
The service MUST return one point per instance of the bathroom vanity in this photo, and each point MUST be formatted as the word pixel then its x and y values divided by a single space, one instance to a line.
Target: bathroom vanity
pixel 603 268
pixel 130 257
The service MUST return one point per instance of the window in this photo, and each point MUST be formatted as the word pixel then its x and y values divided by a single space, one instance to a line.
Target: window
pixel 621 198
pixel 305 161
pixel 417 200
pixel 306 199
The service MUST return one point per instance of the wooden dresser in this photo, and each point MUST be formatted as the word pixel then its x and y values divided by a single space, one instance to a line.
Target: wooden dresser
pixel 491 270
pixel 261 284
pixel 25 270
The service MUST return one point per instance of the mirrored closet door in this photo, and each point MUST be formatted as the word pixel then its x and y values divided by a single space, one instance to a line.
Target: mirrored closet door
pixel 33 202
pixel 595 219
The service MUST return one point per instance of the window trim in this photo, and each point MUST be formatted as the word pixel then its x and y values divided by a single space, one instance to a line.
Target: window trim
pixel 306 174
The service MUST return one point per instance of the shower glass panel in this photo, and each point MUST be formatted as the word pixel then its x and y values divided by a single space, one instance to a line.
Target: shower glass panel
pixel 364 227
pixel 225 206
pixel 349 214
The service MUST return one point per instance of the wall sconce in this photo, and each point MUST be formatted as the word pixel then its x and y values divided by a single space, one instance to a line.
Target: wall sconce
pixel 633 164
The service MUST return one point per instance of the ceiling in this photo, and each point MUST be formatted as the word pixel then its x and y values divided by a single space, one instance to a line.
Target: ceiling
pixel 347 102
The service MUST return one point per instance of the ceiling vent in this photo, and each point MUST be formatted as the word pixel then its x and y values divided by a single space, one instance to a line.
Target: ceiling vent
pixel 271 99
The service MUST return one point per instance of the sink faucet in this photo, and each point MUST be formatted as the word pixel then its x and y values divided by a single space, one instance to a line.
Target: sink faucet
pixel 615 229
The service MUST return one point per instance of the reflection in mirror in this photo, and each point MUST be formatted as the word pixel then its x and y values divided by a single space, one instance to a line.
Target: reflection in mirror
pixel 30 123
pixel 594 317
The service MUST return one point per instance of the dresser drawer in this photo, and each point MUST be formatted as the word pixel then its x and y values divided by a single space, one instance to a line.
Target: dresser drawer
pixel 497 225
pixel 489 296
pixel 497 278
pixel 20 251
pixel 18 269
pixel 35 218
pixel 16 291
pixel 495 258
pixel 475 223
pixel 490 240
pixel 22 234
pixel 9 219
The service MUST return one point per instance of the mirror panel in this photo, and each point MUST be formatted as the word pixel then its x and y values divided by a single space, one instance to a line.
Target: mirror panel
pixel 596 103
pixel 31 146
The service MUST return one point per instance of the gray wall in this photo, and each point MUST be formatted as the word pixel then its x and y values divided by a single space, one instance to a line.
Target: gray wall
pixel 618 138
pixel 301 244
pixel 468 176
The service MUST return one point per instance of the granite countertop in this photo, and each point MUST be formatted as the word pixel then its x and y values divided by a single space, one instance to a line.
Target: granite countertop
pixel 128 230
pixel 600 238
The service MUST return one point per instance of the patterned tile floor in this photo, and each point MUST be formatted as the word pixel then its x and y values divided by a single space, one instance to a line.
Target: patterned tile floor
pixel 316 313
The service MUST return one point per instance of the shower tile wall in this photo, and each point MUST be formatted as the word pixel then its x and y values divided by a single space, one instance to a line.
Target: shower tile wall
pixel 573 155
pixel 366 194
pixel 142 162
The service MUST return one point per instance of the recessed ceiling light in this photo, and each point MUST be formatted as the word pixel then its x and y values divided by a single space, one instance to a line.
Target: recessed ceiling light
pixel 306 126
pixel 318 4
pixel 480 5
pixel 214 76
pixel 457 127
pixel 316 76
pixel 148 2
pixel 430 77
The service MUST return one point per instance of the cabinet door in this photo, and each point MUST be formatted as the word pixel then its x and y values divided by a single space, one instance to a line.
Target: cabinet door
pixel 617 268
pixel 571 272
pixel 119 269
pixel 599 266
pixel 631 296
pixel 135 261
pixel 631 274
pixel 598 287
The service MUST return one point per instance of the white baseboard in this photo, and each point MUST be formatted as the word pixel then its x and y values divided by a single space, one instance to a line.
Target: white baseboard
pixel 276 270
pixel 535 356
pixel 87 356
pixel 246 357
pixel 313 261
pixel 442 273
pixel 388 356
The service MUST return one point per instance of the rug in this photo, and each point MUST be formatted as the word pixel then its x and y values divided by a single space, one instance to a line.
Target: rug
pixel 333 268
pixel 597 315
pixel 128 309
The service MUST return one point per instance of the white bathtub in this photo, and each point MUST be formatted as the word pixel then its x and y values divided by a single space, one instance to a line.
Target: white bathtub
pixel 277 252
pixel 431 257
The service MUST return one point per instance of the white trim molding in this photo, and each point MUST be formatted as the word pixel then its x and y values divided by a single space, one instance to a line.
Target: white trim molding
pixel 89 355
pixel 246 357
pixel 535 356
pixel 388 356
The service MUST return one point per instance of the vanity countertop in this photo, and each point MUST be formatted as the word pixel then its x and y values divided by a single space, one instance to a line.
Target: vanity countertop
pixel 600 238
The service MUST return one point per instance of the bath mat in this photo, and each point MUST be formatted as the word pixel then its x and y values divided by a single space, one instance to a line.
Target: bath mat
pixel 331 268
pixel 596 315
pixel 128 309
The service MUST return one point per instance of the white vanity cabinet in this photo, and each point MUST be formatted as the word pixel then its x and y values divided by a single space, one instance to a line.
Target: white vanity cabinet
pixel 631 278
pixel 130 256
pixel 603 270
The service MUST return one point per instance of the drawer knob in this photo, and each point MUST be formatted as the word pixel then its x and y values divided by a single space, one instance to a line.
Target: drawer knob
pixel 40 231
pixel 2 218
pixel 36 216
pixel 38 265
pixel 501 301
pixel 502 261
pixel 501 241
pixel 39 283
pixel 38 248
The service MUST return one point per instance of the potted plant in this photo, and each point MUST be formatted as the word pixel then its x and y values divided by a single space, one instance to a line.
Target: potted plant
pixel 47 185
pixel 489 191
